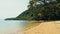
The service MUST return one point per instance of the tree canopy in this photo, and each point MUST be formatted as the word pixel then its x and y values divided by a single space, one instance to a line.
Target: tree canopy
pixel 48 11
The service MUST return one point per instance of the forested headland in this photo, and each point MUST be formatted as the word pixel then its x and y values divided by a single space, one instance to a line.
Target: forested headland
pixel 41 10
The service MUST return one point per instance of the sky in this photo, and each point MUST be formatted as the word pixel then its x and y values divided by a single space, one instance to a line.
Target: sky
pixel 12 8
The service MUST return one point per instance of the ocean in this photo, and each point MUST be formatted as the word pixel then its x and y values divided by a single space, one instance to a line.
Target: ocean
pixel 12 26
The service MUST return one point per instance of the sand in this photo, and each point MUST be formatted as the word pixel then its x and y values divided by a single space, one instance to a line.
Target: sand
pixel 50 27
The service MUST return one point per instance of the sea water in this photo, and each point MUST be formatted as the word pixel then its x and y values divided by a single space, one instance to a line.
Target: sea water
pixel 11 26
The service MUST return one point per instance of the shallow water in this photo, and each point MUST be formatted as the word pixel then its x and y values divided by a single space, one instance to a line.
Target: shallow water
pixel 11 26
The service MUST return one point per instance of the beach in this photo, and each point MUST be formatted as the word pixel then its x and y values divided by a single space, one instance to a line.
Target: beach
pixel 48 27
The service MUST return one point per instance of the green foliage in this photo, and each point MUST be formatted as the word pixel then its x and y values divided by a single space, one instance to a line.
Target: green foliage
pixel 49 11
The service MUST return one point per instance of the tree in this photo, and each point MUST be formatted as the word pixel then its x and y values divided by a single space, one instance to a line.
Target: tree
pixel 48 11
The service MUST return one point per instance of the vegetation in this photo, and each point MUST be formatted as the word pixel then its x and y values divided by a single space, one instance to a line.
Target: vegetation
pixel 48 11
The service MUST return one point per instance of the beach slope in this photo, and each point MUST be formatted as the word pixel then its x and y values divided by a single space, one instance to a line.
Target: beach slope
pixel 51 27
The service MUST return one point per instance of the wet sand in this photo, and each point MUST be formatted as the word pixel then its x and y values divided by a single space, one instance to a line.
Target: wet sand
pixel 50 27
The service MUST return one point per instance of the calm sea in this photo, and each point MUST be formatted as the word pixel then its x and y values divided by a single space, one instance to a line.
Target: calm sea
pixel 11 26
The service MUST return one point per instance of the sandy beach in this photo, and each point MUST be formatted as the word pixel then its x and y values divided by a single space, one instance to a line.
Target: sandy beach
pixel 50 27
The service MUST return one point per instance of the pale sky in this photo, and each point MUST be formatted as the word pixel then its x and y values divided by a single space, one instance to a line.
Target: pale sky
pixel 12 8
